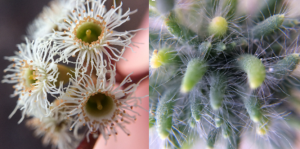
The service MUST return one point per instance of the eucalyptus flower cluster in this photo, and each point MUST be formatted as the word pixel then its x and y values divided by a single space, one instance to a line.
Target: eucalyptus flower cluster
pixel 64 74
pixel 219 76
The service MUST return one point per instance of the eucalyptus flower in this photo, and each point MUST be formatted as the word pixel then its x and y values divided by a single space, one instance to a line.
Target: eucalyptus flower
pixel 48 18
pixel 89 33
pixel 34 73
pixel 88 99
pixel 54 129
pixel 101 105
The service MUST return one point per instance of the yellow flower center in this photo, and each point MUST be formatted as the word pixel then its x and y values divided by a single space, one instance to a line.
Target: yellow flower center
pixel 29 76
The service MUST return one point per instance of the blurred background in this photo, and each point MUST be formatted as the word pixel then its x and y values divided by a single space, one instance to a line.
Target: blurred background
pixel 15 16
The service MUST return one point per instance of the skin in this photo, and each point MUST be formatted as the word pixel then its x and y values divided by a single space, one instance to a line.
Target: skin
pixel 138 63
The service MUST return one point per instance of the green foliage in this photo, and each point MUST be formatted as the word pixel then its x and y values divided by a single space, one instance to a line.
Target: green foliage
pixel 235 76
pixel 254 68
pixel 196 68
pixel 217 90
pixel 268 26
pixel 164 113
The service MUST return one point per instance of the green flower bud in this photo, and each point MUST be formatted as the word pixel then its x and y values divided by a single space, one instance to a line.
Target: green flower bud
pixel 218 26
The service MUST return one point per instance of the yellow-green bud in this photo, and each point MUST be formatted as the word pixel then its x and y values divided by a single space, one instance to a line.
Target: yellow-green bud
pixel 218 26
pixel 254 68
pixel 161 57
pixel 196 69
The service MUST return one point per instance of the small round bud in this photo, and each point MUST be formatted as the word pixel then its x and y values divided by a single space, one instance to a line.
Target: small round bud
pixel 218 26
